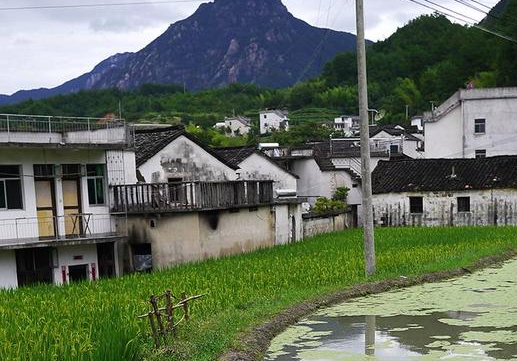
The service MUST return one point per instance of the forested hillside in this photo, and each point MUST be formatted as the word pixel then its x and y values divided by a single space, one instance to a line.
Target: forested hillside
pixel 425 61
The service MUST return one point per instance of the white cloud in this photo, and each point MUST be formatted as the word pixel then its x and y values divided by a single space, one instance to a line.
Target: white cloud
pixel 44 48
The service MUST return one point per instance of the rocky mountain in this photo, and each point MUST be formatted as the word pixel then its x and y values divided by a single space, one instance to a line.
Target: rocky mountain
pixel 223 42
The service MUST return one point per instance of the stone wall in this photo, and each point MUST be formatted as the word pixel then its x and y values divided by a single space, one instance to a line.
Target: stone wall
pixel 314 225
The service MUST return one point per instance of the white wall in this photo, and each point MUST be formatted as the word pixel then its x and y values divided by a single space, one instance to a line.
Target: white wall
pixel 184 159
pixel 257 167
pixel 393 209
pixel 8 275
pixel 26 157
pixel 452 135
pixel 66 256
pixel 271 121
pixel 313 183
pixel 444 138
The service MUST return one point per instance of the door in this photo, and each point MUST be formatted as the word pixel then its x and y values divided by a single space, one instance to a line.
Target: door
pixel 106 256
pixel 78 273
pixel 45 208
pixel 71 202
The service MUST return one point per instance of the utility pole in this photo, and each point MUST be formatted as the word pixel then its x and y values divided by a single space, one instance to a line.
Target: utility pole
pixel 368 232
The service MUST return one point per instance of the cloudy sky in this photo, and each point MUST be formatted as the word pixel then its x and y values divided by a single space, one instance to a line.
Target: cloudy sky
pixel 44 48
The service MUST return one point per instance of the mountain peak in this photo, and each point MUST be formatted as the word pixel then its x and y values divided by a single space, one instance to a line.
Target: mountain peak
pixel 223 42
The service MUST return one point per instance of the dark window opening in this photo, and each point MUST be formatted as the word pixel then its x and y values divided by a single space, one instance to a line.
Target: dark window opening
pixel 416 205
pixel 463 204
pixel 96 184
pixel 106 257
pixel 10 187
pixel 44 170
pixel 34 266
pixel 480 153
pixel 142 257
pixel 480 126
pixel 394 149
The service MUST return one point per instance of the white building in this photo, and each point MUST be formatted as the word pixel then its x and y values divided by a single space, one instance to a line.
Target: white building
pixel 55 221
pixel 235 126
pixel 255 165
pixel 473 123
pixel 446 192
pixel 348 124
pixel 271 120
pixel 398 140
pixel 166 155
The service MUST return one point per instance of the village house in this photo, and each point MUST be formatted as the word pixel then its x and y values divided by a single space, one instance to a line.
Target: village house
pixel 323 167
pixel 446 192
pixel 398 139
pixel 347 124
pixel 235 126
pixel 255 165
pixel 167 155
pixel 55 220
pixel 272 120
pixel 191 202
pixel 473 123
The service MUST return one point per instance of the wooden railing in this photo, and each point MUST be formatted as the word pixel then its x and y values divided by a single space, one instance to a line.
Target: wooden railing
pixel 190 196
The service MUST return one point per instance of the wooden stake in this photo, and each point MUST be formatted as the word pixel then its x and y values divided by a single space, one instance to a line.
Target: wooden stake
pixel 185 305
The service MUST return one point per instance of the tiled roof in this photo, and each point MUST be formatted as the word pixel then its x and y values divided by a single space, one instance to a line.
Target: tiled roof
pixel 235 155
pixel 444 174
pixel 150 142
pixel 392 129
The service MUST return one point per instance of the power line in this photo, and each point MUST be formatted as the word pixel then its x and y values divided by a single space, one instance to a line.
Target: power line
pixel 495 33
pixel 480 3
pixel 78 6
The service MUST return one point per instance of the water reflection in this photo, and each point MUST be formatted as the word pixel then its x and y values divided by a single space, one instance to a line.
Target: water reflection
pixel 463 319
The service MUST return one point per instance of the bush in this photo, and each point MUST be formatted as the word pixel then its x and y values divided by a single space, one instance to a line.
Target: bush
pixel 341 194
pixel 324 206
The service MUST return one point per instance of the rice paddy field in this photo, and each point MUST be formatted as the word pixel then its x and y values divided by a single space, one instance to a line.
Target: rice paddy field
pixel 97 321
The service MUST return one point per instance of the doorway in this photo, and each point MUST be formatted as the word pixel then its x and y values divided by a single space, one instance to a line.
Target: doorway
pixel 72 200
pixel 106 257
pixel 45 208
pixel 77 273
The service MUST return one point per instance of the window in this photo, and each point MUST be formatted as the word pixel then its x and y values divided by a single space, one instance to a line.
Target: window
pixel 96 184
pixel 463 204
pixel 480 126
pixel 265 116
pixel 480 153
pixel 394 148
pixel 10 187
pixel 416 205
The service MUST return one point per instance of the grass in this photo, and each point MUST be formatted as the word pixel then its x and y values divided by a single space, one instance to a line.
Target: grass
pixel 96 321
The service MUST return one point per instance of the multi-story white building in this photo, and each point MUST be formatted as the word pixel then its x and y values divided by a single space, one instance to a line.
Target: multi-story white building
pixel 55 221
pixel 235 126
pixel 348 124
pixel 273 120
pixel 473 123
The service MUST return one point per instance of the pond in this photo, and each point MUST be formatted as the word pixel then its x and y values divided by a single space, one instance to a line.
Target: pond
pixel 468 318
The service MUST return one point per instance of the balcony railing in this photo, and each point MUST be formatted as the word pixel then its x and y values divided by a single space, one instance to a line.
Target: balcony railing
pixel 73 131
pixel 190 196
pixel 46 230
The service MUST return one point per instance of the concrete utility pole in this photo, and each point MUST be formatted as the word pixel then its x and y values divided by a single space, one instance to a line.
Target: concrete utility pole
pixel 368 232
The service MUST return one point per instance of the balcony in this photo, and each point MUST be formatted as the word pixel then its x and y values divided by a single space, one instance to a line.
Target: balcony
pixel 35 130
pixel 52 231
pixel 190 196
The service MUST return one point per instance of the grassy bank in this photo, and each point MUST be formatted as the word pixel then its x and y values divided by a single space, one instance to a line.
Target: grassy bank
pixel 96 321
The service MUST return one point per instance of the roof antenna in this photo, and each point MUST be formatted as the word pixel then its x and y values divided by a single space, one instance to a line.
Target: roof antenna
pixel 454 175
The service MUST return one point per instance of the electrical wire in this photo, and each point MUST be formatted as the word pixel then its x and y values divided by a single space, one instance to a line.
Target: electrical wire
pixel 482 28
pixel 81 6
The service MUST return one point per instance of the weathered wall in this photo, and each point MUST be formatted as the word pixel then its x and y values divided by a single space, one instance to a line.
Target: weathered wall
pixel 66 255
pixel 288 223
pixel 185 160
pixel 313 183
pixel 497 207
pixel 313 226
pixel 184 237
pixel 257 167
pixel 8 276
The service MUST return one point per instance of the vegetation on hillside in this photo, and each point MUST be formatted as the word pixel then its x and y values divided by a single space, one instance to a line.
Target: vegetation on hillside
pixel 96 321
pixel 425 61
